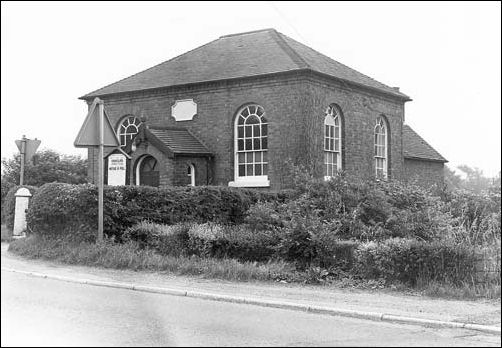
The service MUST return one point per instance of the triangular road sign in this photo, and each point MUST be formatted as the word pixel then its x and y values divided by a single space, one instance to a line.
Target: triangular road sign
pixel 88 135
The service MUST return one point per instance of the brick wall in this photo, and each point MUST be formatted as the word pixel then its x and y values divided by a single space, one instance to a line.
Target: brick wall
pixel 294 104
pixel 423 173
pixel 360 111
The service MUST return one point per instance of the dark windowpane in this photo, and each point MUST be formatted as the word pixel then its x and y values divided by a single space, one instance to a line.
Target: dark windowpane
pixel 326 132
pixel 265 169
pixel 240 144
pixel 256 130
pixel 241 120
pixel 259 111
pixel 252 109
pixel 331 131
pixel 263 119
pixel 241 158
pixel 240 132
pixel 242 170
pixel 249 157
pixel 256 143
pixel 264 143
pixel 249 169
pixel 264 130
pixel 326 144
pixel 331 146
pixel 248 131
pixel 337 145
pixel 257 169
pixel 249 144
pixel 252 120
pixel 245 112
pixel 265 156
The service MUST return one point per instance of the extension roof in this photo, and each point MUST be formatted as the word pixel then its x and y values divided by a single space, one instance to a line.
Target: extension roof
pixel 414 147
pixel 175 141
pixel 235 56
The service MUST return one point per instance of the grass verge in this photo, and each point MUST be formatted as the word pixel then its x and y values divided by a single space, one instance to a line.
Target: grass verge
pixel 129 256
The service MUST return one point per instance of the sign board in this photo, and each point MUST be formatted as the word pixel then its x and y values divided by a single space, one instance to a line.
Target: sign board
pixel 116 169
pixel 88 136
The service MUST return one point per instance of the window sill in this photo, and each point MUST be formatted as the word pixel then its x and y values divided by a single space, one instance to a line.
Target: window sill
pixel 250 182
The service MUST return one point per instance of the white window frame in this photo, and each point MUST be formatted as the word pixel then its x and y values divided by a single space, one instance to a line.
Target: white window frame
pixel 121 124
pixel 381 124
pixel 252 180
pixel 191 175
pixel 330 120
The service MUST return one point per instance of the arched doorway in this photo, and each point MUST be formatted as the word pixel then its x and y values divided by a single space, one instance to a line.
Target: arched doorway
pixel 147 171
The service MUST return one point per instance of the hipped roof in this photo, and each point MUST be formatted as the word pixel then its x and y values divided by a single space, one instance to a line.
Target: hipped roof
pixel 256 53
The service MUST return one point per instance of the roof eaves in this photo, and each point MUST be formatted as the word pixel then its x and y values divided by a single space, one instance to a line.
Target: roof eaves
pixel 443 160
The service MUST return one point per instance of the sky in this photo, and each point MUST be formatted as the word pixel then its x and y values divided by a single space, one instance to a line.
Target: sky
pixel 445 55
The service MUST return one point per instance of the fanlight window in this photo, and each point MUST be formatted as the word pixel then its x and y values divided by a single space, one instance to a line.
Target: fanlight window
pixel 381 150
pixel 128 129
pixel 332 142
pixel 252 142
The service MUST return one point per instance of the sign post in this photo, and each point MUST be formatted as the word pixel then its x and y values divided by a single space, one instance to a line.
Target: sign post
pixel 97 131
pixel 27 148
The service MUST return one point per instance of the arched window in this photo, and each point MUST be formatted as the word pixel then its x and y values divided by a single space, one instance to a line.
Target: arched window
pixel 251 147
pixel 332 142
pixel 191 174
pixel 381 148
pixel 127 129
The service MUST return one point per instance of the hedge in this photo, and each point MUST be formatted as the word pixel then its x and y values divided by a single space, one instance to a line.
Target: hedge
pixel 9 204
pixel 58 208
pixel 410 261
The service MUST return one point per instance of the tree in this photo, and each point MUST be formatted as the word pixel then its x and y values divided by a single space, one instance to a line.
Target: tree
pixel 47 166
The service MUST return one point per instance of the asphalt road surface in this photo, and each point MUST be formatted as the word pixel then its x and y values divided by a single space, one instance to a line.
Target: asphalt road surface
pixel 45 312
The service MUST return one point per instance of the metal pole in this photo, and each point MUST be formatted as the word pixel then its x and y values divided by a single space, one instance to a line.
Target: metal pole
pixel 101 171
pixel 23 151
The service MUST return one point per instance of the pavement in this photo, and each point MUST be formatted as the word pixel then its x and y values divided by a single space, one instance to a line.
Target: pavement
pixel 388 303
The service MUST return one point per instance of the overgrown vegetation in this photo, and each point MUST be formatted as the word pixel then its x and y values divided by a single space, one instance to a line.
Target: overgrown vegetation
pixel 344 230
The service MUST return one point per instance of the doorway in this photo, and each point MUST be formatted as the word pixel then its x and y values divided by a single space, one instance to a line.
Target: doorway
pixel 147 171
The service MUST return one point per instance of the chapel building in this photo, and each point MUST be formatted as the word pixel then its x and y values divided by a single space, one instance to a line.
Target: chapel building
pixel 239 110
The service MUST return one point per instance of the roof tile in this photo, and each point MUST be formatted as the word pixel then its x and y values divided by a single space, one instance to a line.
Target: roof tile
pixel 416 147
pixel 241 55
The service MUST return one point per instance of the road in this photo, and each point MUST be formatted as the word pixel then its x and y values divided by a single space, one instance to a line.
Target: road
pixel 45 312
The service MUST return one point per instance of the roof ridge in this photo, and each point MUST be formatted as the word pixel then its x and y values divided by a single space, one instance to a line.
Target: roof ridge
pixel 247 32
pixel 295 56
pixel 152 67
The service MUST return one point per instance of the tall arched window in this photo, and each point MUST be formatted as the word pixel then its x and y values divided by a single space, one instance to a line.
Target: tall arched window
pixel 127 129
pixel 381 148
pixel 332 142
pixel 191 174
pixel 251 147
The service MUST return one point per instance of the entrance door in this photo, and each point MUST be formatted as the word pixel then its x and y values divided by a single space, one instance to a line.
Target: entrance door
pixel 149 172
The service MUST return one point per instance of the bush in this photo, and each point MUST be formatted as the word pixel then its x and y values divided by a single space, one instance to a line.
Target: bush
pixel 63 208
pixel 9 204
pixel 408 260
pixel 165 239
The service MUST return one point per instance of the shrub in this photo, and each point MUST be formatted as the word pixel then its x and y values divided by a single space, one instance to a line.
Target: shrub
pixel 407 260
pixel 9 204
pixel 64 208
pixel 165 239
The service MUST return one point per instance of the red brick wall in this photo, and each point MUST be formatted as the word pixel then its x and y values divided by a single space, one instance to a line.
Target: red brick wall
pixel 423 173
pixel 294 106
pixel 360 111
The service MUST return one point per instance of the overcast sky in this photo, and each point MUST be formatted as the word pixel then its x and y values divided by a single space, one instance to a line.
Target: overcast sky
pixel 446 56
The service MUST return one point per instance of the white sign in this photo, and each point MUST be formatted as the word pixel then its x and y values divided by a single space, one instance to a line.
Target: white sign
pixel 184 110
pixel 116 169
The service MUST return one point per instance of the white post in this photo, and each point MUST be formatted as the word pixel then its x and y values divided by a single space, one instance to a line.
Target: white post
pixel 22 199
